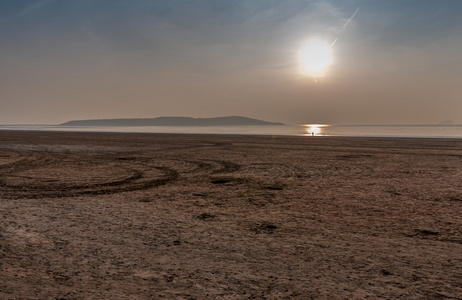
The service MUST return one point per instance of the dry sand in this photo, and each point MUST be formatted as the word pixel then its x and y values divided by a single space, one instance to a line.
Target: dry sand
pixel 147 216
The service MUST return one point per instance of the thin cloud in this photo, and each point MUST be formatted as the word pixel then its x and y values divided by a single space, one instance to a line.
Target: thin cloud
pixel 34 7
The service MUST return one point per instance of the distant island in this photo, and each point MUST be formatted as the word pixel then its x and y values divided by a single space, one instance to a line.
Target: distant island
pixel 172 121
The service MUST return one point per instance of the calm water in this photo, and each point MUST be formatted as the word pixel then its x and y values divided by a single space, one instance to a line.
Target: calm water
pixel 454 131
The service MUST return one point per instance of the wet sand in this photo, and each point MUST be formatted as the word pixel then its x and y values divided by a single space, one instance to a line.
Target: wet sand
pixel 151 216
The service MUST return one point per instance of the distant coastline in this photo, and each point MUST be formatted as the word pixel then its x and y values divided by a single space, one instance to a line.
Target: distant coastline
pixel 172 121
pixel 400 125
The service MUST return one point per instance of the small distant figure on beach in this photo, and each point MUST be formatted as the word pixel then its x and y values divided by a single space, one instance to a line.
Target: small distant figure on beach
pixel 312 133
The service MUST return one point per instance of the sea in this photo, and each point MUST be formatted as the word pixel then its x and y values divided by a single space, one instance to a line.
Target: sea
pixel 308 130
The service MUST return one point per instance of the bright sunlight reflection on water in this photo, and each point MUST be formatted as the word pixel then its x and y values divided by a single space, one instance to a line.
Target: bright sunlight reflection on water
pixel 315 129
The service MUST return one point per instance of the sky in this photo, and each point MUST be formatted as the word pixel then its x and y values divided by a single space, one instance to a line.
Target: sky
pixel 391 62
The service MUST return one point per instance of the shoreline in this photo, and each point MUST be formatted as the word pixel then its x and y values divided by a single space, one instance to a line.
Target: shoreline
pixel 392 131
pixel 305 136
pixel 196 216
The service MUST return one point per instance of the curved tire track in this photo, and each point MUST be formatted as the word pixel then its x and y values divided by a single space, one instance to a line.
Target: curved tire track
pixel 42 176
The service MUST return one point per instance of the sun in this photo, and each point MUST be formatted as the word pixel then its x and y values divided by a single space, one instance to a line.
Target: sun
pixel 315 58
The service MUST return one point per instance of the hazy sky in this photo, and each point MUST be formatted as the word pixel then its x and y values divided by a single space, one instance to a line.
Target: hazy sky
pixel 395 62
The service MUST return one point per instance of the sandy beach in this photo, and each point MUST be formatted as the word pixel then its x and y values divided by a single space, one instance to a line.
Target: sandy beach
pixel 152 216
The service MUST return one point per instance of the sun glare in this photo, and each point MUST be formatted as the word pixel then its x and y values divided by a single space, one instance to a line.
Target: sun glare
pixel 315 58
pixel 315 129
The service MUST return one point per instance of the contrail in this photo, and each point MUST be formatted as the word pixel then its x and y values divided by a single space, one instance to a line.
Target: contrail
pixel 346 24
pixel 333 43
pixel 351 18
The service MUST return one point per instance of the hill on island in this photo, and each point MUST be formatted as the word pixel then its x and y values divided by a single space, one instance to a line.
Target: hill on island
pixel 172 121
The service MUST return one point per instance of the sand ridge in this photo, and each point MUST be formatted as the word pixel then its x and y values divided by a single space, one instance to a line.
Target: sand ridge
pixel 149 216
